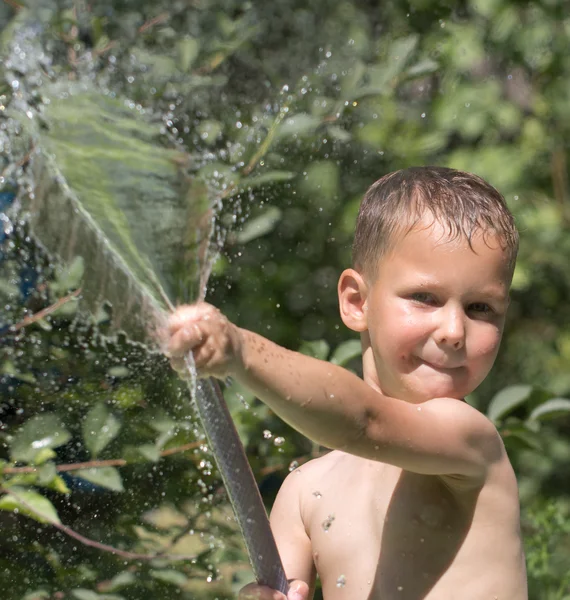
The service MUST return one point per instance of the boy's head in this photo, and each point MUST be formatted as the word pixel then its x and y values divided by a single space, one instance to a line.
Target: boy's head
pixel 462 203
pixel 434 254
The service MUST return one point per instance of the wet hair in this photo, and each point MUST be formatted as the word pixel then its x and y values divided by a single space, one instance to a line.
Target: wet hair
pixel 462 203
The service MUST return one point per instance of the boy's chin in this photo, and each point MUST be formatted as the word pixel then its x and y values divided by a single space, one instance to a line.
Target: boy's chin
pixel 422 389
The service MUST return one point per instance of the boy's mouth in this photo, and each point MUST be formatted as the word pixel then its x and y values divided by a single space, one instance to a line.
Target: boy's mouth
pixel 438 366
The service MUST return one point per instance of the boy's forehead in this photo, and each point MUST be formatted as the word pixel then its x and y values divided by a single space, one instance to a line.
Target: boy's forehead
pixel 431 231
pixel 429 243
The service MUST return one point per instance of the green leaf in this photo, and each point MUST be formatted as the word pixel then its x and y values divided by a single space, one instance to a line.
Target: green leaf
pixel 550 409
pixel 69 277
pixel 267 177
pixel 107 477
pixel 188 49
pixel 299 124
pixel 346 351
pixel 29 503
pixel 37 595
pixel 150 452
pixel 170 576
pixel 260 225
pixel 317 349
pixel 338 133
pixel 47 476
pixel 421 68
pixel 507 400
pixel 522 437
pixel 46 473
pixel 37 434
pixel 99 428
pixel 83 594
pixel 210 131
pixel 124 579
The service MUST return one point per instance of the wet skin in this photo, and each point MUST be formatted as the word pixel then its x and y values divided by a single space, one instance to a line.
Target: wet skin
pixel 423 499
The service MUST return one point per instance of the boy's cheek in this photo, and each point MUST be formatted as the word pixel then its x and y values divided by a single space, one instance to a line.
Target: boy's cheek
pixel 487 344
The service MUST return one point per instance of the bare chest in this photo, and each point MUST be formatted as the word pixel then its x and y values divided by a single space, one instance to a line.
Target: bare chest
pixel 379 532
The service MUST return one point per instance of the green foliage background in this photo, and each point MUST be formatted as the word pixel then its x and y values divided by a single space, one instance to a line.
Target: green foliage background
pixel 289 111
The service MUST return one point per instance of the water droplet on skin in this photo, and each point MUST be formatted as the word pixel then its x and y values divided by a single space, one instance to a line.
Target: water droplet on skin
pixel 419 408
pixel 317 494
pixel 341 581
pixel 400 588
pixel 326 524
pixel 293 465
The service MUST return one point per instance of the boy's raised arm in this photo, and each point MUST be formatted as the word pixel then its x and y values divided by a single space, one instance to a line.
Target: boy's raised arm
pixel 332 405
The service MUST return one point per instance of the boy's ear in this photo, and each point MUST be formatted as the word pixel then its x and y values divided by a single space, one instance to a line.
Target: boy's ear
pixel 352 294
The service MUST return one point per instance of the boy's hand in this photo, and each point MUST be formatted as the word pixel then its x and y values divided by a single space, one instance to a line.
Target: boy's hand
pixel 298 590
pixel 207 333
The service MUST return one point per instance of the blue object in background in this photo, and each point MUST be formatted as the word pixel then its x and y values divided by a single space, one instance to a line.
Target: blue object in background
pixel 27 273
pixel 6 200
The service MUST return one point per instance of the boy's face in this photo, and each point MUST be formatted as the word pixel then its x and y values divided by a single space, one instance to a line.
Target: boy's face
pixel 434 314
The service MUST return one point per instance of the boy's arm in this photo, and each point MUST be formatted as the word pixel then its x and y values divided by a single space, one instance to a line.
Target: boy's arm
pixel 335 407
pixel 293 544
pixel 339 410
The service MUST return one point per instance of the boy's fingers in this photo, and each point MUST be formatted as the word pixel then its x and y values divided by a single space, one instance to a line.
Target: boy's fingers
pixel 254 591
pixel 187 314
pixel 298 590
pixel 184 340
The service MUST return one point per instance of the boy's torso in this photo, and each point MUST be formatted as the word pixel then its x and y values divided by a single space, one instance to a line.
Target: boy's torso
pixel 379 533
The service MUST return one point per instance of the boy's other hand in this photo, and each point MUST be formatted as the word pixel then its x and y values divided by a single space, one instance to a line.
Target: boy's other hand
pixel 298 590
pixel 206 332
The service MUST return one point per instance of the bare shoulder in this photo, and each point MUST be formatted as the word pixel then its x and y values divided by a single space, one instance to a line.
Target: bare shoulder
pixel 472 423
pixel 312 471
pixel 306 480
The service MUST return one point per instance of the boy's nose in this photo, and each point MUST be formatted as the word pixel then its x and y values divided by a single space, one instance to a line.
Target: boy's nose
pixel 451 328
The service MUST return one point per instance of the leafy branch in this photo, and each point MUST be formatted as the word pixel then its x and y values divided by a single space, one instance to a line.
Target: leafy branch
pixel 43 517
pixel 41 314
pixel 97 464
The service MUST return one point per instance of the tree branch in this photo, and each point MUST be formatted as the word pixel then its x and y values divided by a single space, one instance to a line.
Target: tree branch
pixel 98 464
pixel 41 314
pixel 92 543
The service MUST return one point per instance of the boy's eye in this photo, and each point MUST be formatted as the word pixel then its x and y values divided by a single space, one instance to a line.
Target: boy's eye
pixel 480 307
pixel 423 298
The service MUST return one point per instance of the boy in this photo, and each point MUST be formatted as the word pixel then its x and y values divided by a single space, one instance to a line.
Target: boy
pixel 418 500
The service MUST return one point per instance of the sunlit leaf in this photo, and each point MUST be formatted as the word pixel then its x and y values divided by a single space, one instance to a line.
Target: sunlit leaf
pixel 424 67
pixel 550 409
pixel 299 124
pixel 107 477
pixel 267 177
pixel 522 438
pixel 69 277
pixel 150 452
pixel 210 131
pixel 38 433
pixel 83 594
pixel 47 476
pixel 317 349
pixel 124 579
pixel 260 225
pixel 170 576
pixel 505 401
pixel 338 133
pixel 29 503
pixel 99 428
pixel 345 352
pixel 188 49
pixel 37 595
